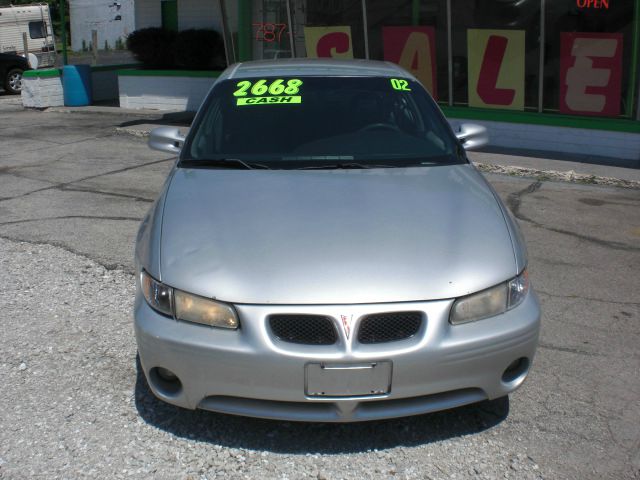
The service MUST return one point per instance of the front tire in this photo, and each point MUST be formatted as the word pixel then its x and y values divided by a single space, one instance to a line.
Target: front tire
pixel 13 81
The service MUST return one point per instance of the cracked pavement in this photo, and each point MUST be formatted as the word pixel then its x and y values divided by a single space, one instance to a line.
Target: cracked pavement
pixel 72 192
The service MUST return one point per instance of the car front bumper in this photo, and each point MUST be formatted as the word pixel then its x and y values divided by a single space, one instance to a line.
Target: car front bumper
pixel 250 372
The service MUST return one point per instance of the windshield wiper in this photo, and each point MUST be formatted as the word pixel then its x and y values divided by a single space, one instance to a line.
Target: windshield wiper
pixel 345 166
pixel 224 162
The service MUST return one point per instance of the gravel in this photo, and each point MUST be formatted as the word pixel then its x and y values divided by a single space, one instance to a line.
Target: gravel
pixel 558 176
pixel 74 404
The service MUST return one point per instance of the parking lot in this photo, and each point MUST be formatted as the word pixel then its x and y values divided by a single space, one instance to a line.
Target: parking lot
pixel 73 189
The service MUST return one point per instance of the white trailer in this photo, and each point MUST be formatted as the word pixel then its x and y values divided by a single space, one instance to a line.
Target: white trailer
pixel 34 21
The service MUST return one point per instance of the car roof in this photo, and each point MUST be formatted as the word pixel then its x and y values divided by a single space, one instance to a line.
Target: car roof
pixel 321 67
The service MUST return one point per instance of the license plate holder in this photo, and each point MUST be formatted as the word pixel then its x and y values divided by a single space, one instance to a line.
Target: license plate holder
pixel 348 379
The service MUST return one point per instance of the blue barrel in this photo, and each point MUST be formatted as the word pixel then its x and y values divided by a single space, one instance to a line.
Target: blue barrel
pixel 76 85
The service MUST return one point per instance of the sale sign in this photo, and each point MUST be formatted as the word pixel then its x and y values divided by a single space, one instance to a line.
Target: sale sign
pixel 333 42
pixel 414 49
pixel 496 68
pixel 590 73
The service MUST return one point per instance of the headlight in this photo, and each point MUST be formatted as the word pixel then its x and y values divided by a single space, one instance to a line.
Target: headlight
pixel 490 302
pixel 187 307
pixel 201 310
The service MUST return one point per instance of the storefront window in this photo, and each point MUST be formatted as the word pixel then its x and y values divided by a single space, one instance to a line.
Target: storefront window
pixel 496 53
pixel 414 35
pixel 258 29
pixel 328 28
pixel 589 57
pixel 491 57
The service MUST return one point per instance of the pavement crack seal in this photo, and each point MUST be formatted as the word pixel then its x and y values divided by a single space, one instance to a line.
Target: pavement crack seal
pixel 67 188
pixel 56 144
pixel 71 217
pixel 568 176
pixel 514 201
pixel 588 299
pixel 108 266
pixel 577 351
pixel 62 185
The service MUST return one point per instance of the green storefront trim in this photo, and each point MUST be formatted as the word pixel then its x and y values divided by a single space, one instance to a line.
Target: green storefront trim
pixel 108 68
pixel 549 119
pixel 57 72
pixel 49 73
pixel 169 73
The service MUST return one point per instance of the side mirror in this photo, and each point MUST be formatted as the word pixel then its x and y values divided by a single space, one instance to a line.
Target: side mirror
pixel 472 135
pixel 166 139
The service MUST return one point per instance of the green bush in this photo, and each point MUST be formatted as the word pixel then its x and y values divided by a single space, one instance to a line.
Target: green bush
pixel 153 47
pixel 194 49
pixel 199 49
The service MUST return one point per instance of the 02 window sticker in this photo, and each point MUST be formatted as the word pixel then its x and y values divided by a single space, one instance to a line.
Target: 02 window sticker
pixel 400 84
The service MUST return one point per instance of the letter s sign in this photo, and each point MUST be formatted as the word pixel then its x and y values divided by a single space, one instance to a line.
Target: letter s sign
pixel 333 42
pixel 590 73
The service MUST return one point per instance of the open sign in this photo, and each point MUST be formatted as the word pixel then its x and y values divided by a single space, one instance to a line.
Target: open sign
pixel 593 4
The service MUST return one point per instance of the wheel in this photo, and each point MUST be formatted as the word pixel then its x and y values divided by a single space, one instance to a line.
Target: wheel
pixel 379 126
pixel 13 82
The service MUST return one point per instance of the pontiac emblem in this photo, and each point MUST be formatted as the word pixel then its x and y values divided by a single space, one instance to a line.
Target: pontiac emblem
pixel 346 324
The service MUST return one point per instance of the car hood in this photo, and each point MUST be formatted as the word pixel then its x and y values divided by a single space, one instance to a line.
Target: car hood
pixel 333 236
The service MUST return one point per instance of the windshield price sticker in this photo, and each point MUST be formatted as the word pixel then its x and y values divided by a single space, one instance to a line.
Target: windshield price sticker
pixel 399 84
pixel 265 92
pixel 269 100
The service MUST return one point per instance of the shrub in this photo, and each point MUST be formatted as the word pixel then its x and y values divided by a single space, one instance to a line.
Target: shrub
pixel 153 47
pixel 199 49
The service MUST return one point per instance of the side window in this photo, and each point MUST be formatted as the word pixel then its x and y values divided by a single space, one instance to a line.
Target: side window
pixel 37 30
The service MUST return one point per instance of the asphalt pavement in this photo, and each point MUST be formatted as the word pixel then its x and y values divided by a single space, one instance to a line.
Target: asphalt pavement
pixel 73 188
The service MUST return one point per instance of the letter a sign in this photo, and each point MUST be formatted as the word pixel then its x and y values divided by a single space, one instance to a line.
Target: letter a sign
pixel 496 68
pixel 414 49
pixel 590 73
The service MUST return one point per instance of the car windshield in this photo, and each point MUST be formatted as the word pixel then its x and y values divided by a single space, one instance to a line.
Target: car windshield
pixel 320 122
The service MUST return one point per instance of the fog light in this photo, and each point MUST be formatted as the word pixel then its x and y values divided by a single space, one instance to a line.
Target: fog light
pixel 167 375
pixel 165 381
pixel 516 369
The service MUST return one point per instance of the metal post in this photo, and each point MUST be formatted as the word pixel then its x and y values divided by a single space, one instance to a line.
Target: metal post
pixel 450 52
pixel 244 30
pixel 366 29
pixel 229 56
pixel 415 12
pixel 541 69
pixel 94 46
pixel 292 44
pixel 25 45
pixel 63 32
pixel 638 107
pixel 635 53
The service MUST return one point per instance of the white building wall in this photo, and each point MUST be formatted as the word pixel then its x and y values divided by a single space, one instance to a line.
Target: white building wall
pixel 148 14
pixel 582 141
pixel 163 93
pixel 100 15
pixel 199 14
pixel 191 14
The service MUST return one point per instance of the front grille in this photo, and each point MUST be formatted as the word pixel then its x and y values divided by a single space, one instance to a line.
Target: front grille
pixel 389 327
pixel 304 329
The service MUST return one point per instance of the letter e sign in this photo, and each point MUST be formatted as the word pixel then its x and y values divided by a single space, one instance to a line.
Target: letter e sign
pixel 590 73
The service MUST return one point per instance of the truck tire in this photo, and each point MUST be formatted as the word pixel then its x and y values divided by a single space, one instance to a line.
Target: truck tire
pixel 13 81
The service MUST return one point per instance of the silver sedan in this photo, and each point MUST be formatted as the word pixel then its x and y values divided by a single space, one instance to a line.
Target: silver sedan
pixel 323 250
